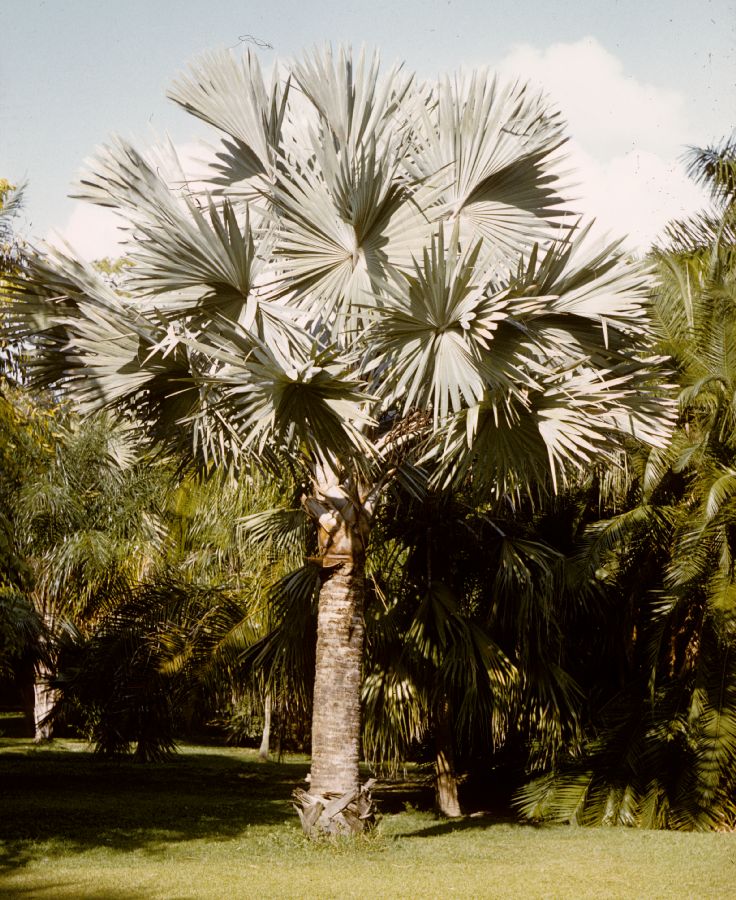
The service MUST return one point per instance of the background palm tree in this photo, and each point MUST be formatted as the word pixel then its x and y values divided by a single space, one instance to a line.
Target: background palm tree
pixel 187 640
pixel 663 750
pixel 371 276
pixel 28 437
pixel 217 541
pixel 432 668
pixel 89 526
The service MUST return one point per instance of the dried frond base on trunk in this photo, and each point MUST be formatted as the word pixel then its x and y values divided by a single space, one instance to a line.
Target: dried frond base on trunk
pixel 336 814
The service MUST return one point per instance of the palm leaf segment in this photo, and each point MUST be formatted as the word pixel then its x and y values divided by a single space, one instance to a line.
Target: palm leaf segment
pixel 529 367
pixel 363 260
pixel 233 96
pixel 346 200
pixel 493 150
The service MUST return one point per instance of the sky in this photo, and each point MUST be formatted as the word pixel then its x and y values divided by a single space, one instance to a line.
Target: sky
pixel 637 80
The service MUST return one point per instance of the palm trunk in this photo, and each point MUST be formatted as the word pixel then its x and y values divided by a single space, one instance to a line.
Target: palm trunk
pixel 266 738
pixel 26 681
pixel 336 716
pixel 448 802
pixel 43 702
pixel 336 803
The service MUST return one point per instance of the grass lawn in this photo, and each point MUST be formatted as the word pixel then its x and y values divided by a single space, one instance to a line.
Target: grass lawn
pixel 214 822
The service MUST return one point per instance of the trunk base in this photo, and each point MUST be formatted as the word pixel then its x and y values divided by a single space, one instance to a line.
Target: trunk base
pixel 336 814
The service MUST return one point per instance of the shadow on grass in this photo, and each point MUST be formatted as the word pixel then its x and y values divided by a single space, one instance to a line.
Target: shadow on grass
pixel 466 823
pixel 68 802
pixel 53 890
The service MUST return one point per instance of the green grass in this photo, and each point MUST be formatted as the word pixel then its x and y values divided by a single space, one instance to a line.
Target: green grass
pixel 214 822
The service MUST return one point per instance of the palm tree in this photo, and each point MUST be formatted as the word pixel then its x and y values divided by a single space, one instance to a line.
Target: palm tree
pixel 471 622
pixel 133 676
pixel 88 525
pixel 664 746
pixel 27 442
pixel 162 647
pixel 380 269
pixel 217 541
pixel 432 668
pixel 28 427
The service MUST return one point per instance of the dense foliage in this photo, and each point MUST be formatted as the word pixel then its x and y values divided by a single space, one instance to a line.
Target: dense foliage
pixel 660 749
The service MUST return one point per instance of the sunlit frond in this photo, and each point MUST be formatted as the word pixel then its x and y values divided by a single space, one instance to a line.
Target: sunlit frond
pixel 357 105
pixel 493 146
pixel 232 95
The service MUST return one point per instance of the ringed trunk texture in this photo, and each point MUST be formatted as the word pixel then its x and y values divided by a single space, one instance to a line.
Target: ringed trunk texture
pixel 335 802
pixel 336 716
pixel 448 802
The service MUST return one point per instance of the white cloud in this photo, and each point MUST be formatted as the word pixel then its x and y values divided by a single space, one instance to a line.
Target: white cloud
pixel 92 231
pixel 609 111
pixel 633 195
pixel 627 137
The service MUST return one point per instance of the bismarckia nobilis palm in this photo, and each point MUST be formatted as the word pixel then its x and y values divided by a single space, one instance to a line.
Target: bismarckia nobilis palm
pixel 378 271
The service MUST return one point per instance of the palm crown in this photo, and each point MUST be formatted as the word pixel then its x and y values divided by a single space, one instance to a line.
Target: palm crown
pixel 357 256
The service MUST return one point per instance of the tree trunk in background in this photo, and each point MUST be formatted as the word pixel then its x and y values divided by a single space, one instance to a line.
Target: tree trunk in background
pixel 448 803
pixel 25 679
pixel 43 702
pixel 266 739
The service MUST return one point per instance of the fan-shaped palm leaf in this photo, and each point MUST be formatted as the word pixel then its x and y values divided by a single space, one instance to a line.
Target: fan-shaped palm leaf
pixel 232 95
